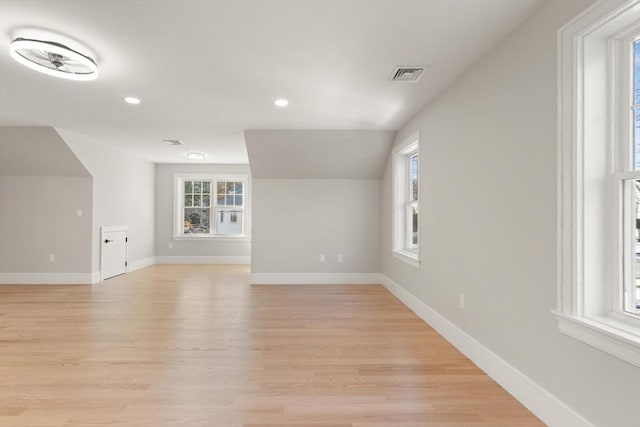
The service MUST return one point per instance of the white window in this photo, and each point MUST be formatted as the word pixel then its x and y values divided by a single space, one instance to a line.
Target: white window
pixel 212 206
pixel 406 168
pixel 599 135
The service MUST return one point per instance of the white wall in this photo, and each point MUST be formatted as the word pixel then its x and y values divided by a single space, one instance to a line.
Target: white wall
pixel 38 218
pixel 123 194
pixel 488 221
pixel 296 220
pixel 213 250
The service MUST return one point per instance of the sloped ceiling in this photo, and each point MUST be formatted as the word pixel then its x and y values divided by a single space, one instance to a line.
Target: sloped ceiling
pixel 36 151
pixel 318 154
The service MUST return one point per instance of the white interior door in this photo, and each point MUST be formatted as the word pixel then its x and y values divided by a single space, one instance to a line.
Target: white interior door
pixel 113 259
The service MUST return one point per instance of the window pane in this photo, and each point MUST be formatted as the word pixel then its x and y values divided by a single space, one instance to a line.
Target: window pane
pixel 188 200
pixel 206 200
pixel 229 187
pixel 238 200
pixel 631 292
pixel 220 200
pixel 238 188
pixel 197 186
pixel 229 222
pixel 414 177
pixel 197 200
pixel 206 187
pixel 414 228
pixel 196 220
pixel 188 186
pixel 220 187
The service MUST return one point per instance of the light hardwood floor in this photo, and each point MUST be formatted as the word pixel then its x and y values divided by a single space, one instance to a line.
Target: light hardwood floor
pixel 198 346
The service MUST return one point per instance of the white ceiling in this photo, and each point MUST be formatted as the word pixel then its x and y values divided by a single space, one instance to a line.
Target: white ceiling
pixel 207 70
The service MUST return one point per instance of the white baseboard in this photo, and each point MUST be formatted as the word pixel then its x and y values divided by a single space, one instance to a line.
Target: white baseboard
pixel 537 399
pixel 315 278
pixel 141 263
pixel 203 260
pixel 45 278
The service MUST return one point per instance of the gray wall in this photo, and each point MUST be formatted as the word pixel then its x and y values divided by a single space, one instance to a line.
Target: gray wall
pixel 488 221
pixel 123 194
pixel 42 186
pixel 164 210
pixel 38 217
pixel 296 220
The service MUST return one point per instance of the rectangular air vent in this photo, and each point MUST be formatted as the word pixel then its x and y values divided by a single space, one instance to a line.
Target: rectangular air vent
pixel 407 74
pixel 173 141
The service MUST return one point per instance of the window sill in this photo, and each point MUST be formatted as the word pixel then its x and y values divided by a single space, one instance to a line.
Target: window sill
pixel 213 238
pixel 605 333
pixel 408 257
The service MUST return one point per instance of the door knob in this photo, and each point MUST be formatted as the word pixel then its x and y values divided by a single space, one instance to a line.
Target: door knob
pixel 107 240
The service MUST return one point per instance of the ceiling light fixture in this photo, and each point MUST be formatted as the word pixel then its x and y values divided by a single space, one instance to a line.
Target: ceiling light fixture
pixel 196 156
pixel 281 102
pixel 54 59
pixel 131 100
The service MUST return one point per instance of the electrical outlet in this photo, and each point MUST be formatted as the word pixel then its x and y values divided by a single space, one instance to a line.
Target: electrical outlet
pixel 170 245
pixel 340 258
pixel 461 300
pixel 52 258
pixel 79 212
pixel 322 258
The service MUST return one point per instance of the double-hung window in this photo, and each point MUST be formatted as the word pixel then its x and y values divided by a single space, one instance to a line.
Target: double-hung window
pixel 211 206
pixel 599 179
pixel 406 168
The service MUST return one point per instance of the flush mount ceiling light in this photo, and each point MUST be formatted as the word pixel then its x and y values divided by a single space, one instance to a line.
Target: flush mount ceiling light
pixel 196 156
pixel 54 59
pixel 281 102
pixel 131 100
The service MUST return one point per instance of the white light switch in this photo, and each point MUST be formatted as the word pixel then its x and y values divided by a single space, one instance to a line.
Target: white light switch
pixel 79 212
pixel 52 258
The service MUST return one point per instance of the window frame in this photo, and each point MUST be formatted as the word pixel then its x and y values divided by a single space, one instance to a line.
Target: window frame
pixel 593 127
pixel 178 214
pixel 403 201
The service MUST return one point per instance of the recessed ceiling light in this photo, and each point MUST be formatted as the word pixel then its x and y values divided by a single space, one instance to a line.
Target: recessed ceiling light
pixel 196 156
pixel 281 102
pixel 54 59
pixel 131 100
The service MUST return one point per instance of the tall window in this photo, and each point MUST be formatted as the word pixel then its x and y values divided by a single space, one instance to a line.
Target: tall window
pixel 627 177
pixel 211 206
pixel 599 193
pixel 406 168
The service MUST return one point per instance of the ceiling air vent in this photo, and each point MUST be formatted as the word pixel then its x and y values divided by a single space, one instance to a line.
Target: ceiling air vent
pixel 407 74
pixel 174 142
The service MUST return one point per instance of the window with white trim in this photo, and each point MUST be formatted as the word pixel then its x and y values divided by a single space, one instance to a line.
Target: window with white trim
pixel 406 168
pixel 211 206
pixel 599 179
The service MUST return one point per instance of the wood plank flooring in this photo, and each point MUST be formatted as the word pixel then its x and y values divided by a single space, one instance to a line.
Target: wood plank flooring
pixel 199 346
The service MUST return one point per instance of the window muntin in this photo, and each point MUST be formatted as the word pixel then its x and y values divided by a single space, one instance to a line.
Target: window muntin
pixel 210 206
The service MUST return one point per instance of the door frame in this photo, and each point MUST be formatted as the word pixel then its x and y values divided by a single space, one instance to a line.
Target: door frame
pixel 104 230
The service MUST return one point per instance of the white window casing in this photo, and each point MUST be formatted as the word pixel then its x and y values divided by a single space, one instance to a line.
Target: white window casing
pixel 214 208
pixel 403 202
pixel 593 144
